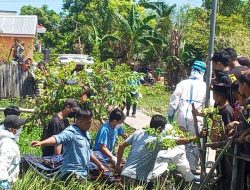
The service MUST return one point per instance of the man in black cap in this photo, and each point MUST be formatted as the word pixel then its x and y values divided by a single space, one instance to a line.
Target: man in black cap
pixel 9 151
pixel 57 124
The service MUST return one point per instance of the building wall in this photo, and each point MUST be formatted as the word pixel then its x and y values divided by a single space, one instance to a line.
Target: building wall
pixel 7 41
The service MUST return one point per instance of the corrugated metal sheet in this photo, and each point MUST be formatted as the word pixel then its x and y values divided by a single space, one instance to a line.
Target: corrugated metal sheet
pixel 18 25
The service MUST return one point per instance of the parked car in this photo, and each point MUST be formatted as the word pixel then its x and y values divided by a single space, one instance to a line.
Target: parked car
pixel 77 58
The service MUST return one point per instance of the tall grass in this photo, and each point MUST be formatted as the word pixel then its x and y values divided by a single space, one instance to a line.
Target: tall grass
pixel 32 181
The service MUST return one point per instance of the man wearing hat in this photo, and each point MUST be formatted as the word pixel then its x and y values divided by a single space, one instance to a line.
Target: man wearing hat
pixel 57 124
pixel 187 92
pixel 9 151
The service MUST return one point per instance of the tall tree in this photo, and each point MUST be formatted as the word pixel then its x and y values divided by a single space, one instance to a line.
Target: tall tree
pixel 46 17
pixel 137 30
pixel 163 27
pixel 225 7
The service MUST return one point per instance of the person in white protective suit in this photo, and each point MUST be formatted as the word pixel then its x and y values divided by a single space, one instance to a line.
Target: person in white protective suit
pixel 187 92
pixel 175 155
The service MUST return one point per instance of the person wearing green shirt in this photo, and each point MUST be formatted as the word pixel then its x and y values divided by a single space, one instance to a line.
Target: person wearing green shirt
pixel 158 71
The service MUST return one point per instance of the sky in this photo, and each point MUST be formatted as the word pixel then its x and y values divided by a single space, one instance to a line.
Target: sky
pixel 56 5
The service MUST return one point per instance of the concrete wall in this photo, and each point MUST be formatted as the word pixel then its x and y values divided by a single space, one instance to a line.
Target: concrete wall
pixel 7 41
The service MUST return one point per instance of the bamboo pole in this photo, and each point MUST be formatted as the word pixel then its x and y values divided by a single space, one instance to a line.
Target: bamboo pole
pixel 209 175
pixel 202 158
pixel 216 144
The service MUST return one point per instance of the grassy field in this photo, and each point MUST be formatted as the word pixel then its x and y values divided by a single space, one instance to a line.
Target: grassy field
pixel 154 100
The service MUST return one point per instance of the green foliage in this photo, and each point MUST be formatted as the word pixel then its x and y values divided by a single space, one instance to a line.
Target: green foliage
pixel 167 139
pixel 178 132
pixel 33 181
pixel 130 30
pixel 37 56
pixel 194 24
pixel 48 18
pixel 211 115
pixel 108 90
pixel 26 137
pixel 160 141
pixel 226 7
pixel 56 91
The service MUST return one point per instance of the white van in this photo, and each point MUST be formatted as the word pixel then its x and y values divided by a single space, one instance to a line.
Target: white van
pixel 77 58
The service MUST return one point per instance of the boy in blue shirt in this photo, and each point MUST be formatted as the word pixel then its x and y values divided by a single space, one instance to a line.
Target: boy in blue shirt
pixel 76 145
pixel 107 135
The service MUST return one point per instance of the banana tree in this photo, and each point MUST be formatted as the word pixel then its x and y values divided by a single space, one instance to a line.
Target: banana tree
pixel 137 30
pixel 163 25
pixel 99 42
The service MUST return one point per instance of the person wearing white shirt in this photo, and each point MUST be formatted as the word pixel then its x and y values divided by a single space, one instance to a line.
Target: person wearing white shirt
pixel 9 151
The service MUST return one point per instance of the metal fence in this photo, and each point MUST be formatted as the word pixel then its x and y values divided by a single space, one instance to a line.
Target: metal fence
pixel 14 82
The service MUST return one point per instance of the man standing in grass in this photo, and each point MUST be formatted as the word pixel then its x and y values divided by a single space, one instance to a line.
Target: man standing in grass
pixel 76 147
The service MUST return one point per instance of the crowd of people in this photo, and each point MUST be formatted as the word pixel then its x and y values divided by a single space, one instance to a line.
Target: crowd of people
pixel 72 143
pixel 230 92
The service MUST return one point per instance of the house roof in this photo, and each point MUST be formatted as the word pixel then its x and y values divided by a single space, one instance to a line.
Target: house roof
pixel 2 12
pixel 18 25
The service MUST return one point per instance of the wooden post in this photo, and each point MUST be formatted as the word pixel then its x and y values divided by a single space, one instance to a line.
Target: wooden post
pixel 235 168
pixel 201 149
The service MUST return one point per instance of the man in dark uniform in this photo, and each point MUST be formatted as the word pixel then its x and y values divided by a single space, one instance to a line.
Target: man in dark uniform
pixel 57 124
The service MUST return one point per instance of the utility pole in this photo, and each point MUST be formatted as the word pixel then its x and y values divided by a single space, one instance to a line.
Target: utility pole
pixel 209 75
pixel 211 50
